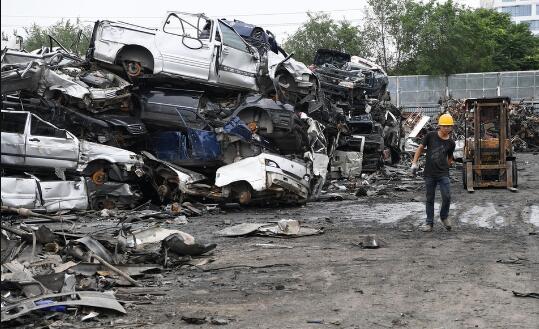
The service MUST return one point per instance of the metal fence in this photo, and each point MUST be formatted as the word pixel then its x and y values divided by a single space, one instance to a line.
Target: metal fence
pixel 424 91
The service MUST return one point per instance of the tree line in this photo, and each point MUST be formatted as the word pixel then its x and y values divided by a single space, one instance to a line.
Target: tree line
pixel 407 37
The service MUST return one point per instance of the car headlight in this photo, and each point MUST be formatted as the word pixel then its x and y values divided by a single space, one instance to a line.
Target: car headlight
pixel 270 163
pixel 307 178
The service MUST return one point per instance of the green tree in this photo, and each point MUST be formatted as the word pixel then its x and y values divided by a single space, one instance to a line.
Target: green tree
pixel 73 36
pixel 383 31
pixel 321 31
pixel 454 39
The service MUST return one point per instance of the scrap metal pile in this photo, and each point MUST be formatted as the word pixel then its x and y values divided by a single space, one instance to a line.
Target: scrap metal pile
pixel 524 127
pixel 161 124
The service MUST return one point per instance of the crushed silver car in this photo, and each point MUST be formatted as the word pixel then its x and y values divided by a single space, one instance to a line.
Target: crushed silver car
pixel 57 76
pixel 29 141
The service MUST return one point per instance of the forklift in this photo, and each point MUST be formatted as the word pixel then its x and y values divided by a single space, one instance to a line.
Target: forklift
pixel 488 153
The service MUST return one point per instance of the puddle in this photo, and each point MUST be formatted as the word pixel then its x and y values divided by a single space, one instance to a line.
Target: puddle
pixel 534 215
pixel 392 213
pixel 482 216
pixel 486 215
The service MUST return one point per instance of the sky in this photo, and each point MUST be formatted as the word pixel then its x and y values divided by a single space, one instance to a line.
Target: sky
pixel 282 17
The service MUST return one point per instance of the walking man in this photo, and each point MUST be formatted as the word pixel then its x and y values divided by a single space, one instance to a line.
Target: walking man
pixel 440 149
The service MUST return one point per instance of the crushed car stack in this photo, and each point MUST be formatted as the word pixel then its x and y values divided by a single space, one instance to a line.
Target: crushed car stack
pixel 140 120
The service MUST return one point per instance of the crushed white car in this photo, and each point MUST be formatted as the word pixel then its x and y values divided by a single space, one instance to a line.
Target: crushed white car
pixel 265 175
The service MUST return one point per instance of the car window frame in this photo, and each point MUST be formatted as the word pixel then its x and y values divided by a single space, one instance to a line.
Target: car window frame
pixel 25 123
pixel 47 123
pixel 247 49
pixel 196 27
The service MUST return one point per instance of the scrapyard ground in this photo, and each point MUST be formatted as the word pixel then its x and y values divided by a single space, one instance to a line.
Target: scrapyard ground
pixel 417 280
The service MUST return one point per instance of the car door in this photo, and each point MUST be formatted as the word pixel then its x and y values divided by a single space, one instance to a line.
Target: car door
pixel 13 137
pixel 237 63
pixel 185 45
pixel 50 147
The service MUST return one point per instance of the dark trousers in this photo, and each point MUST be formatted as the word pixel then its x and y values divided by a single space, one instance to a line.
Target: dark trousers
pixel 431 183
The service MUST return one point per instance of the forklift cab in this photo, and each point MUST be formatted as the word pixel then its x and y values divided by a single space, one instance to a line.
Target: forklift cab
pixel 488 153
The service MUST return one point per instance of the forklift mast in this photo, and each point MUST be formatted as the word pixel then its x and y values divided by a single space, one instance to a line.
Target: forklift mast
pixel 488 153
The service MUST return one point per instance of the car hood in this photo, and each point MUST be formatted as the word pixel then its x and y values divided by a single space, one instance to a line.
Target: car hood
pixel 95 151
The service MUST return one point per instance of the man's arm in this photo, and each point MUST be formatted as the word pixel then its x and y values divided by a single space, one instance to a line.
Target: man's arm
pixel 418 153
pixel 450 158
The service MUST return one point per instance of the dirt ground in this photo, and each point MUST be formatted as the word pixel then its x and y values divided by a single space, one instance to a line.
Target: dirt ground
pixel 458 279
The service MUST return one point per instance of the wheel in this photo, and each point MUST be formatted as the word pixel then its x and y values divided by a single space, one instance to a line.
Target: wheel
pixel 98 172
pixel 99 177
pixel 244 197
pixel 133 69
pixel 242 192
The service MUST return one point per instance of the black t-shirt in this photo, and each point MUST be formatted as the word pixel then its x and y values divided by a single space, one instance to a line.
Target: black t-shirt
pixel 438 151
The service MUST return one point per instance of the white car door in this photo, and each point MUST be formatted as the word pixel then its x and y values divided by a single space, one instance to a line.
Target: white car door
pixel 13 138
pixel 50 147
pixel 237 63
pixel 185 45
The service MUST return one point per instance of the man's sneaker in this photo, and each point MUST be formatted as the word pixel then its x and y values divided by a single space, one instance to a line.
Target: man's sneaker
pixel 426 228
pixel 447 224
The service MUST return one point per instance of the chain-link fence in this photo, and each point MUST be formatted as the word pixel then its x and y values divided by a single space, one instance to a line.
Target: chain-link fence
pixel 425 91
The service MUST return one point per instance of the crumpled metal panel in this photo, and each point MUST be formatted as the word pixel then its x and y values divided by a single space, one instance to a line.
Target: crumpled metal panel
pixel 94 151
pixel 238 128
pixel 44 195
pixel 195 145
pixel 62 195
pixel 20 192
pixel 12 146
pixel 346 164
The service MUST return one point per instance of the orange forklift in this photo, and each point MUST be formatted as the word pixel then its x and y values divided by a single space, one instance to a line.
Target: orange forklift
pixel 488 153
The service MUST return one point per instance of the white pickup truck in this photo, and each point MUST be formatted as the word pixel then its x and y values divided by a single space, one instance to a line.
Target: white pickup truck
pixel 192 47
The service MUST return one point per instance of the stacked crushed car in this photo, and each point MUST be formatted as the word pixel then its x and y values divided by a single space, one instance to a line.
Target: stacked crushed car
pixel 202 108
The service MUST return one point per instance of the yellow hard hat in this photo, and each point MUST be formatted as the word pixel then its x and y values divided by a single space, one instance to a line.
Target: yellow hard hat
pixel 445 120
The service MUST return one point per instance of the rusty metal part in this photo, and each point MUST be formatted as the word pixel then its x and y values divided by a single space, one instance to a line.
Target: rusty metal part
pixel 253 126
pixel 99 177
pixel 245 197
